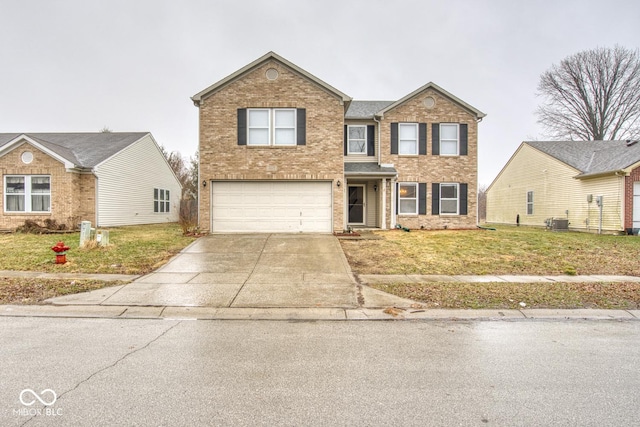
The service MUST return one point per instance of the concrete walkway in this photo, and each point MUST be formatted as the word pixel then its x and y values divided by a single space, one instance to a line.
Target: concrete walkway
pixel 277 277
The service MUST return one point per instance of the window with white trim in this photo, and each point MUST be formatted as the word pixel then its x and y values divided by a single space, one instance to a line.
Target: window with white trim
pixel 161 200
pixel 449 199
pixel 357 139
pixel 27 193
pixel 529 202
pixel 408 198
pixel 271 126
pixel 449 139
pixel 407 138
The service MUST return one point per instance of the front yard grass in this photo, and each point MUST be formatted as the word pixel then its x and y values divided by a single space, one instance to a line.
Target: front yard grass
pixel 507 251
pixel 133 250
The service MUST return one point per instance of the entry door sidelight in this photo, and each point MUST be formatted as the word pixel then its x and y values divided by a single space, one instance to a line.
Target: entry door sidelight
pixel 356 204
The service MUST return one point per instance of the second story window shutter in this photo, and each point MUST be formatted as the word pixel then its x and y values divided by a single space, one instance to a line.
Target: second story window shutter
pixel 422 138
pixel 435 139
pixel 371 140
pixel 242 126
pixel 346 139
pixel 422 198
pixel 463 199
pixel 394 138
pixel 464 144
pixel 301 125
pixel 435 199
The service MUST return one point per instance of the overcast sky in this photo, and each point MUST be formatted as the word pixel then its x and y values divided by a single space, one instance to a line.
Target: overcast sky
pixel 132 65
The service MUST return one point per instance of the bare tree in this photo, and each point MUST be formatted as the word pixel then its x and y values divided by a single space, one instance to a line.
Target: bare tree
pixel 592 95
pixel 185 171
pixel 482 203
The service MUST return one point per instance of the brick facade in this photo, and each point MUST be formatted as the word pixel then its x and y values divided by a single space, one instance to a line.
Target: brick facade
pixel 633 177
pixel 221 158
pixel 429 168
pixel 72 194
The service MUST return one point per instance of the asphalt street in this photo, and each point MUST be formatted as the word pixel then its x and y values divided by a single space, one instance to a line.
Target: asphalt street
pixel 106 372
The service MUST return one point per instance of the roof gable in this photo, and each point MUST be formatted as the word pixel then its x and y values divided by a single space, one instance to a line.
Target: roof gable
pixel 592 157
pixel 477 113
pixel 82 150
pixel 197 98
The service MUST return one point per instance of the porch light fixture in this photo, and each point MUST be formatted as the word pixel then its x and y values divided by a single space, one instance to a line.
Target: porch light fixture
pixel 204 183
pixel 338 183
pixel 375 187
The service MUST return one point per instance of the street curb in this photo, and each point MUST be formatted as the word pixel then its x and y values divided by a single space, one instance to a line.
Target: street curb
pixel 309 314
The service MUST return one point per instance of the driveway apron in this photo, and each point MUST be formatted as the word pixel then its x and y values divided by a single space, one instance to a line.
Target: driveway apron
pixel 249 270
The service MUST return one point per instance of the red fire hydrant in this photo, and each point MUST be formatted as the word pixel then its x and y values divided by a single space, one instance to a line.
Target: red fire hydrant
pixel 61 252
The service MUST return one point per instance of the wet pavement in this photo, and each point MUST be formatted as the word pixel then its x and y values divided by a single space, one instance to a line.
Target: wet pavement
pixel 257 270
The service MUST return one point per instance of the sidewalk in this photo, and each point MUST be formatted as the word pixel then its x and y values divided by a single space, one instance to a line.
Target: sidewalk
pixel 373 304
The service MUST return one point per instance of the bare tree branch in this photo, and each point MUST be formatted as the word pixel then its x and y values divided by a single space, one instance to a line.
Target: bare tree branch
pixel 592 95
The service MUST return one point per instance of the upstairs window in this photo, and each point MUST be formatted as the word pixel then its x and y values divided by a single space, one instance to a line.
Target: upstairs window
pixel 449 141
pixel 27 193
pixel 357 139
pixel 271 126
pixel 407 138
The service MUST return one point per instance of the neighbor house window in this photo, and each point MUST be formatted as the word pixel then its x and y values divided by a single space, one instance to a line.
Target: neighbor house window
pixel 27 193
pixel 529 202
pixel 357 143
pixel 449 199
pixel 449 139
pixel 161 200
pixel 408 138
pixel 271 126
pixel 408 198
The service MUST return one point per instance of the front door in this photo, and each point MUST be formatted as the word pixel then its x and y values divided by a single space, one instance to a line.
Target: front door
pixel 356 204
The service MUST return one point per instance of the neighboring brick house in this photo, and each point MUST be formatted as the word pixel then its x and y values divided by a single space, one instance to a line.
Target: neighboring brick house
pixel 595 185
pixel 108 178
pixel 283 151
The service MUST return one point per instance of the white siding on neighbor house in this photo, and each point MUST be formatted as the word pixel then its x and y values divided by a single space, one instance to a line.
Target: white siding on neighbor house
pixel 556 194
pixel 126 182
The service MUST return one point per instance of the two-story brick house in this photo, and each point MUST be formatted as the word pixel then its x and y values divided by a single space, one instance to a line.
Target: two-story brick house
pixel 283 151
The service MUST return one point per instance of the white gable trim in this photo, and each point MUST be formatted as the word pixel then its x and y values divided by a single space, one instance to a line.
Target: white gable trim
pixel 16 142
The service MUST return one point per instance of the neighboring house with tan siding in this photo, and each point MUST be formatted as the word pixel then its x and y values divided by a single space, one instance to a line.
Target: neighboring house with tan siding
pixel 108 178
pixel 283 151
pixel 570 180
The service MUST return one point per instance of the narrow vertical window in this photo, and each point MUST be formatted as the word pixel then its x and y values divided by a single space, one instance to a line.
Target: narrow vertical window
pixel 529 202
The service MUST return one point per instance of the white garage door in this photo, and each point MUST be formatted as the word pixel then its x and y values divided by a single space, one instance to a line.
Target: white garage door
pixel 271 207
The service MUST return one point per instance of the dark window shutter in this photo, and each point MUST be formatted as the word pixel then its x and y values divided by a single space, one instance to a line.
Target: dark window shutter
pixel 464 145
pixel 371 140
pixel 435 139
pixel 463 198
pixel 301 124
pixel 346 139
pixel 397 197
pixel 422 139
pixel 422 198
pixel 435 199
pixel 394 138
pixel 242 126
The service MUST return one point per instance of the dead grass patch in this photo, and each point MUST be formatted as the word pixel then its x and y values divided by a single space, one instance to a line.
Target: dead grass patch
pixel 22 291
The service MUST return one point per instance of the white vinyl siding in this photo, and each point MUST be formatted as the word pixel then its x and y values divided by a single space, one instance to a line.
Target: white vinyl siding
pixel 271 206
pixel 126 183
pixel 556 191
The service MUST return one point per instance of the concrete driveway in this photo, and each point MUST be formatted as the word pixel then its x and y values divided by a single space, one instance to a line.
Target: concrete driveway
pixel 257 270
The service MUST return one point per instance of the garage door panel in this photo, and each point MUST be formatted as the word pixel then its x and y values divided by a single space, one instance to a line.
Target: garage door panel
pixel 271 206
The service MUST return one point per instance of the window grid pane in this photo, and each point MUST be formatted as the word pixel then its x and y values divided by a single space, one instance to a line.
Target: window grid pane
pixel 258 124
pixel 449 199
pixel 408 202
pixel 357 140
pixel 449 139
pixel 27 193
pixel 408 138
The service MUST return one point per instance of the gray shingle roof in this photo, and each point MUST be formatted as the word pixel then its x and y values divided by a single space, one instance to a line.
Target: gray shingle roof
pixel 365 109
pixel 85 150
pixel 591 157
pixel 369 168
